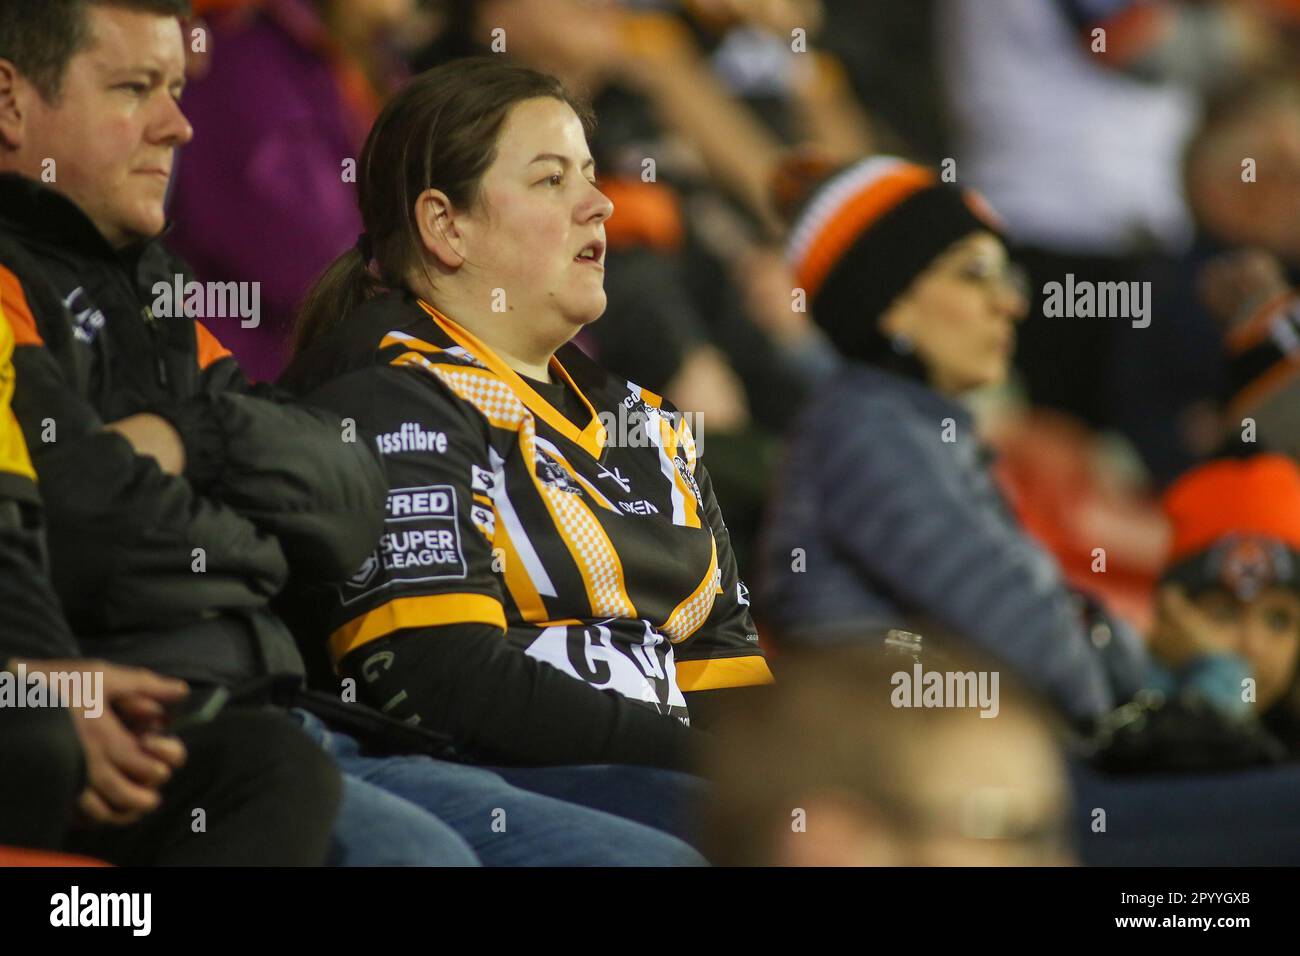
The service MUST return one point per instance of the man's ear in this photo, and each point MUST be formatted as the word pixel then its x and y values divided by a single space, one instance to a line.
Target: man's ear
pixel 440 234
pixel 13 90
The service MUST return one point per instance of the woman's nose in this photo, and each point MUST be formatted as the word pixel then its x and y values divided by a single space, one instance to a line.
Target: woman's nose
pixel 596 207
pixel 1013 303
pixel 1014 293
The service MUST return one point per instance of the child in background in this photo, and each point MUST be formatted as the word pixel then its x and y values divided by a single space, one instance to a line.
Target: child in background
pixel 1228 623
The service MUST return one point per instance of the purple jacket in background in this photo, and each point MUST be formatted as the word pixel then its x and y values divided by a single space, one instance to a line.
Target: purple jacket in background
pixel 259 195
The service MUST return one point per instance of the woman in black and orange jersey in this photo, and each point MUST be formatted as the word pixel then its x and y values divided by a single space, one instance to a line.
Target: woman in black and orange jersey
pixel 555 583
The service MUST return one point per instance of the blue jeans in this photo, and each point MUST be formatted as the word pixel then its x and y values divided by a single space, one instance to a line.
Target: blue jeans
pixel 664 799
pixel 420 811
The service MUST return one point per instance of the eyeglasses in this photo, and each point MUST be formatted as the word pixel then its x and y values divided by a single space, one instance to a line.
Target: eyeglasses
pixel 996 276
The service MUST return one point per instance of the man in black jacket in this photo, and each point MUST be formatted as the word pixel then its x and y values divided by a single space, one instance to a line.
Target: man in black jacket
pixel 103 758
pixel 179 495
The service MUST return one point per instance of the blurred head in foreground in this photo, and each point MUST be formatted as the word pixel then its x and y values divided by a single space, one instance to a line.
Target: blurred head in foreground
pixel 826 770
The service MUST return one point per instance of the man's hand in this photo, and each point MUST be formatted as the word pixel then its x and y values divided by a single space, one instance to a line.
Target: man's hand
pixel 153 436
pixel 1184 632
pixel 127 760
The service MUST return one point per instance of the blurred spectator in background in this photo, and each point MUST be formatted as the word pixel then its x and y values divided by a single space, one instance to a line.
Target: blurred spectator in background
pixel 889 51
pixel 281 105
pixel 1233 288
pixel 1242 176
pixel 1070 486
pixel 1263 358
pixel 885 509
pixel 1071 116
pixel 1229 623
pixel 1243 181
pixel 730 80
pixel 826 772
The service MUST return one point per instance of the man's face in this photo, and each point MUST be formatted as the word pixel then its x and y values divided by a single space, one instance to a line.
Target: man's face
pixel 113 131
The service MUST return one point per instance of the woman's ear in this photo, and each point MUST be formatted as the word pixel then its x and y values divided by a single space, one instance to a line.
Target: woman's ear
pixel 440 234
pixel 899 318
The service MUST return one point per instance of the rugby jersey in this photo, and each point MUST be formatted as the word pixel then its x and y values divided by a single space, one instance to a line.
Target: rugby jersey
pixel 595 546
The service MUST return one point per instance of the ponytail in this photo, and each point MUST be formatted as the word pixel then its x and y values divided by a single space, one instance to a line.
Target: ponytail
pixel 339 292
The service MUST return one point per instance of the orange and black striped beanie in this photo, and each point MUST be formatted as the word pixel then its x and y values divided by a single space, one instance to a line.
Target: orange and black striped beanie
pixel 860 234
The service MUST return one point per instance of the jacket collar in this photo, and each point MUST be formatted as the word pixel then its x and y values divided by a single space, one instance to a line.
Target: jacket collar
pixel 50 218
pixel 919 395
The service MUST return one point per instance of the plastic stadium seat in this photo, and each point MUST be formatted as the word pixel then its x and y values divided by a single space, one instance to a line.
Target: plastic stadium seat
pixel 17 856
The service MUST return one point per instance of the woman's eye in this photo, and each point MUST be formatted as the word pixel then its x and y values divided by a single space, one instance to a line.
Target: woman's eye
pixel 981 270
pixel 137 88
pixel 556 180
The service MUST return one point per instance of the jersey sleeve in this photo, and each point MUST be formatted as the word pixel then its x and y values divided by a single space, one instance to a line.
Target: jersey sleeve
pixel 433 563
pixel 724 652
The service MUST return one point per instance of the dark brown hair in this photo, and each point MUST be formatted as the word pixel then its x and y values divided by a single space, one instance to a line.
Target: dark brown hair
pixel 41 37
pixel 439 132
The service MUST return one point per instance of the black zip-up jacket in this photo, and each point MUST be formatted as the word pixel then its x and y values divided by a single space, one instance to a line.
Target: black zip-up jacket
pixel 31 622
pixel 169 572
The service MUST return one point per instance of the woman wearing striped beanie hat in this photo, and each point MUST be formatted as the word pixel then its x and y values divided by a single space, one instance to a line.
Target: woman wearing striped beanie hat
pixel 886 513
pixel 895 262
